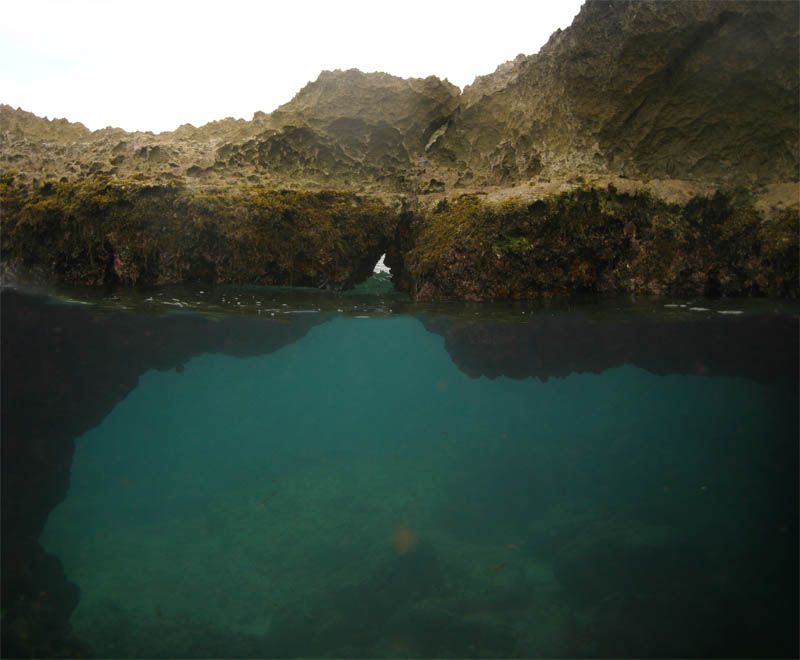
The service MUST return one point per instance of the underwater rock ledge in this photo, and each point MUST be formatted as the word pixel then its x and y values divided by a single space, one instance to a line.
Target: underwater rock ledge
pixel 49 402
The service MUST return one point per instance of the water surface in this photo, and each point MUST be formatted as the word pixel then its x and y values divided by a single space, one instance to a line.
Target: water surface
pixel 354 476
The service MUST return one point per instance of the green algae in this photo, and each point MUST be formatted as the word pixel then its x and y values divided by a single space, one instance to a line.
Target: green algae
pixel 600 241
pixel 103 231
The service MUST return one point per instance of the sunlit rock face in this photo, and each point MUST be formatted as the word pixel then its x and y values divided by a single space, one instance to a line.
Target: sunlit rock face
pixel 344 103
pixel 679 90
pixel 347 129
pixel 680 103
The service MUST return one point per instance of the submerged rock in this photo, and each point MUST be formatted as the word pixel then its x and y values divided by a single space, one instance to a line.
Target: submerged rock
pixel 625 556
pixel 50 401
pixel 353 617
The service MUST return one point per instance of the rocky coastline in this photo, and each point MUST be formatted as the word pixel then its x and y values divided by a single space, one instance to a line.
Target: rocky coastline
pixel 649 148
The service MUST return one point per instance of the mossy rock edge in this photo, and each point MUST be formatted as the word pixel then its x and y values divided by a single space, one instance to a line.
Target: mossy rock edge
pixel 101 231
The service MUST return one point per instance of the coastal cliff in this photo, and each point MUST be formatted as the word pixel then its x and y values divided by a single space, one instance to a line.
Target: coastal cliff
pixel 686 112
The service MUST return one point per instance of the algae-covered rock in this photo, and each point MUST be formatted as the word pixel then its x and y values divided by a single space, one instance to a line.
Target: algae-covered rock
pixel 597 241
pixel 102 231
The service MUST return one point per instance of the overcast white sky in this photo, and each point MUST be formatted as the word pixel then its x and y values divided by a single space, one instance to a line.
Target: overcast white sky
pixel 153 65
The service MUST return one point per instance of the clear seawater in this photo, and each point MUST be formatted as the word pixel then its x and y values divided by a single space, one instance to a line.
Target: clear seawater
pixel 456 480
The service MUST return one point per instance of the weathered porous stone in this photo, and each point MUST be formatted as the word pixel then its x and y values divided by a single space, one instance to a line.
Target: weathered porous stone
pixel 690 103
pixel 685 90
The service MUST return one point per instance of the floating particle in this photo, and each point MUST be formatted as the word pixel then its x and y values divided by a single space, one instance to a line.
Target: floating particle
pixel 404 539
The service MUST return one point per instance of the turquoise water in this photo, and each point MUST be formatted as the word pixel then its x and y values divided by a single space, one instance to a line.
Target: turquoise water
pixel 354 493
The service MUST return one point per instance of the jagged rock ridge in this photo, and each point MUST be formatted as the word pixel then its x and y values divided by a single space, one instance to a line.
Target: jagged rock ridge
pixel 686 90
pixel 636 100
pixel 680 90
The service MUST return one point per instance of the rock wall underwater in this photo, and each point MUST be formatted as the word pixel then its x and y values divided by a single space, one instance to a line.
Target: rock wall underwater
pixel 86 363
